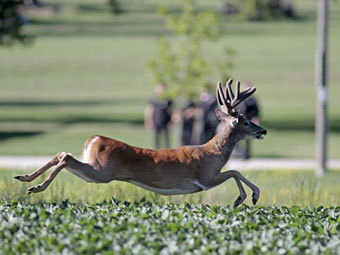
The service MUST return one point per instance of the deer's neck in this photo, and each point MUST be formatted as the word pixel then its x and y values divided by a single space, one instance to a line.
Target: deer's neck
pixel 223 143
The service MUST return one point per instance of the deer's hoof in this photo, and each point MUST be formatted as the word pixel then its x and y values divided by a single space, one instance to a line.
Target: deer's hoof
pixel 23 178
pixel 255 198
pixel 34 189
pixel 238 201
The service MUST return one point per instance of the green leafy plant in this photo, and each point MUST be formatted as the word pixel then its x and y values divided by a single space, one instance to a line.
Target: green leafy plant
pixel 142 227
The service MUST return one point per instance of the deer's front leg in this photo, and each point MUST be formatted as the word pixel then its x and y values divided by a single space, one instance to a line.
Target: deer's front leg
pixel 222 177
pixel 253 187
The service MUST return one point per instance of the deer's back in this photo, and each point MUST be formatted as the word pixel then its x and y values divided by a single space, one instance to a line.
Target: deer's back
pixel 100 151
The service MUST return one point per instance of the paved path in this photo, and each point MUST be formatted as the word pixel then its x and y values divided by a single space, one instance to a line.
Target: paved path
pixel 31 162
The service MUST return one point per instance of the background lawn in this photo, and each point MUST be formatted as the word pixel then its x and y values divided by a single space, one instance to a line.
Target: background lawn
pixel 86 74
pixel 285 187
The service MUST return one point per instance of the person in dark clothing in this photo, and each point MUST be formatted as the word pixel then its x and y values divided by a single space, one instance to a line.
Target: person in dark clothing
pixel 158 117
pixel 250 109
pixel 161 118
pixel 209 118
pixel 188 123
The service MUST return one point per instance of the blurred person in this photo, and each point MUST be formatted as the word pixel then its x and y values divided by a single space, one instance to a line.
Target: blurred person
pixel 188 120
pixel 209 121
pixel 158 116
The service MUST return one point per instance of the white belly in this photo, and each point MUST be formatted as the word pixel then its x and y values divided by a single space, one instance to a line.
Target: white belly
pixel 174 191
pixel 79 174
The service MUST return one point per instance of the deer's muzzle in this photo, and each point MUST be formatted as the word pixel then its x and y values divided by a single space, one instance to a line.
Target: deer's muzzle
pixel 260 134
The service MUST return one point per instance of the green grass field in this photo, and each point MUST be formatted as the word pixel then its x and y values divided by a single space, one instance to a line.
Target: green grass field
pixel 86 74
pixel 283 187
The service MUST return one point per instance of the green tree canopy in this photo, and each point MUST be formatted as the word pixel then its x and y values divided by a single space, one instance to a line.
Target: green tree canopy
pixel 180 64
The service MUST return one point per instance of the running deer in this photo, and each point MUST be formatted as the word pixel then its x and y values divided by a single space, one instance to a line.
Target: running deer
pixel 187 169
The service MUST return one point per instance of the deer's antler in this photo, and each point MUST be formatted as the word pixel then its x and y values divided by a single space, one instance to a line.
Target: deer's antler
pixel 227 100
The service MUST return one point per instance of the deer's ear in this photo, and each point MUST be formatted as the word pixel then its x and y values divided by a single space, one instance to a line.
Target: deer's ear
pixel 221 115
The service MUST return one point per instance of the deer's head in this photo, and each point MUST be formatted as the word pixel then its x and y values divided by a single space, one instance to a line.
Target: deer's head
pixel 231 118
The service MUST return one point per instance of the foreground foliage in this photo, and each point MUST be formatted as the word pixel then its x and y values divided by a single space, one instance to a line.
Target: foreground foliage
pixel 146 228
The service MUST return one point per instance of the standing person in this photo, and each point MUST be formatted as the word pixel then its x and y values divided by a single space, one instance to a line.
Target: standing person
pixel 158 116
pixel 208 116
pixel 250 109
pixel 188 123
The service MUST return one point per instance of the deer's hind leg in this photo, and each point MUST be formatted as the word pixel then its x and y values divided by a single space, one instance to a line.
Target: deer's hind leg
pixel 66 160
pixel 30 177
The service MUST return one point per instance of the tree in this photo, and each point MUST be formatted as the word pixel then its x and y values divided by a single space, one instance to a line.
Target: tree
pixel 181 65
